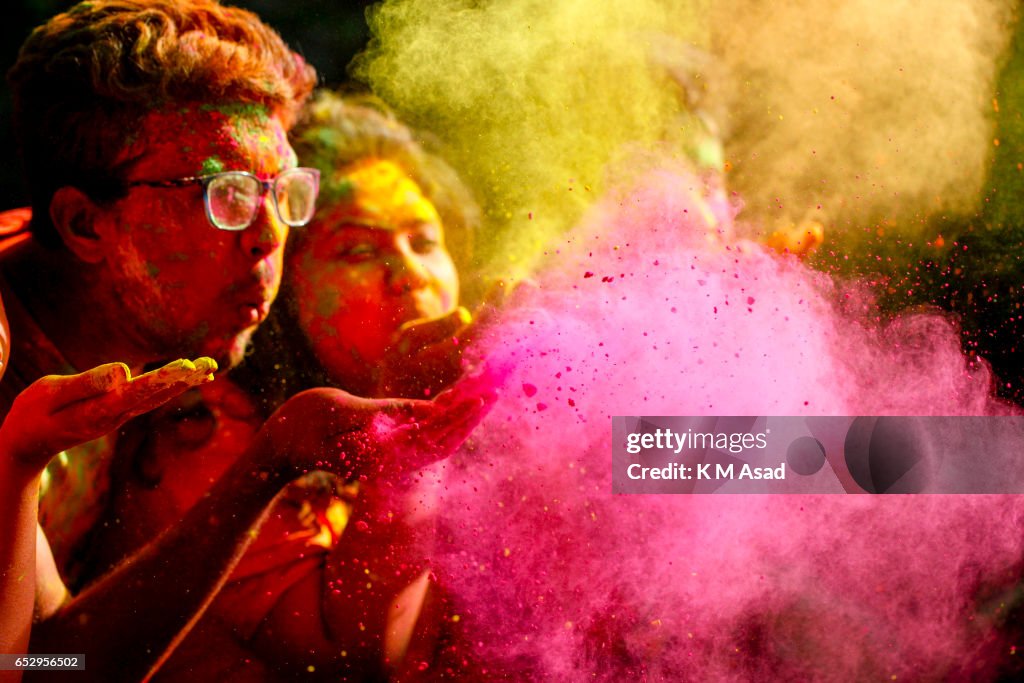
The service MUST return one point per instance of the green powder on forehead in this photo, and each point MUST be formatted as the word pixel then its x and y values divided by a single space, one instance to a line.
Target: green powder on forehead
pixel 245 109
pixel 211 165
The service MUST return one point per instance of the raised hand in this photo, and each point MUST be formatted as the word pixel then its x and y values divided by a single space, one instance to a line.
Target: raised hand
pixel 51 415
pixel 427 355
pixel 57 412
pixel 332 430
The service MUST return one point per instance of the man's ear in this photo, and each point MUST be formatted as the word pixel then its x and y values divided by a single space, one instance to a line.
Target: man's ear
pixel 75 215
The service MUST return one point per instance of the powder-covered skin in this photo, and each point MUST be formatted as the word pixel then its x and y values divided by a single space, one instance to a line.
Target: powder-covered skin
pixel 365 266
pixel 192 288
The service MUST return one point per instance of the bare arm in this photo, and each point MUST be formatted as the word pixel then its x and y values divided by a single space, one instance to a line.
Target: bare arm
pixel 127 621
pixel 131 619
pixel 18 506
pixel 51 415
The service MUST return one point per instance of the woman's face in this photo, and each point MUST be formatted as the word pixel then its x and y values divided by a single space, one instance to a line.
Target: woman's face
pixel 367 265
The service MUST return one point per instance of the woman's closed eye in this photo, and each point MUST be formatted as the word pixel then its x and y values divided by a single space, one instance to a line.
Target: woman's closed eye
pixel 425 239
pixel 361 251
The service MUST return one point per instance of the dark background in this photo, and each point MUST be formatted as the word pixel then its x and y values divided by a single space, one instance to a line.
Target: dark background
pixel 328 33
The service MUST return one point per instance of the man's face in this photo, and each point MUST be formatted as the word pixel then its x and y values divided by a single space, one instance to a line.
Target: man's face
pixel 366 266
pixel 187 288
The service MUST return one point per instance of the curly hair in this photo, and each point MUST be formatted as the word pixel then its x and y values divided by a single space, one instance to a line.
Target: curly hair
pixel 88 76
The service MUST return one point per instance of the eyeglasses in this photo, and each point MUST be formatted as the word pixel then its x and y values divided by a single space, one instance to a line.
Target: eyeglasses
pixel 233 198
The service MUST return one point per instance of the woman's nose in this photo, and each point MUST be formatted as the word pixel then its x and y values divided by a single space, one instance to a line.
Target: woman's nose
pixel 407 272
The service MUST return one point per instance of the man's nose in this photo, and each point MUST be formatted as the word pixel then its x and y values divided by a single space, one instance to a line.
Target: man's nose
pixel 267 233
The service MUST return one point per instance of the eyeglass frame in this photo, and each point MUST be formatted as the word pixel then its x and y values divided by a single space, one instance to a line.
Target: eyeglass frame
pixel 265 186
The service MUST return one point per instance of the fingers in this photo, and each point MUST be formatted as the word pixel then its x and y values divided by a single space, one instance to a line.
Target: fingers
pixel 113 381
pixel 153 389
pixel 182 370
pixel 423 442
pixel 59 412
pixel 91 417
pixel 304 428
pixel 476 391
pixel 484 316
pixel 500 295
pixel 430 355
pixel 95 382
pixel 417 334
pixel 379 437
pixel 482 384
pixel 436 428
pixel 399 435
pixel 460 420
pixel 119 410
pixel 403 409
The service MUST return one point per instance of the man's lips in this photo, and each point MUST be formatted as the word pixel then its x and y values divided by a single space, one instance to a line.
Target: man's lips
pixel 253 312
pixel 254 295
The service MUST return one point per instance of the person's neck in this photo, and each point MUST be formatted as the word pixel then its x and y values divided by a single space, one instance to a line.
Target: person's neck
pixel 79 318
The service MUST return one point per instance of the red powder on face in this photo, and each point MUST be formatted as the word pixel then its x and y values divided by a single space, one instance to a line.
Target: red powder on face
pixel 367 266
pixel 194 289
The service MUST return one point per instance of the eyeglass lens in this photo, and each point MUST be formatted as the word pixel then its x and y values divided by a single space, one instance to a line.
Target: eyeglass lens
pixel 234 198
pixel 296 197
